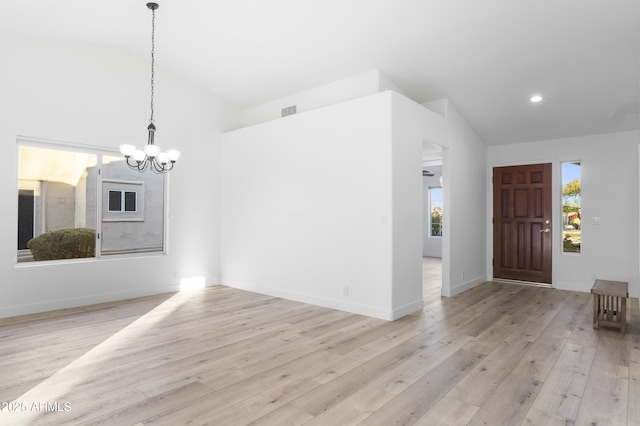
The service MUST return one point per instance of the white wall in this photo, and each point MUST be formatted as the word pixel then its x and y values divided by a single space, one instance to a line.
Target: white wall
pixel 406 162
pixel 367 83
pixel 431 246
pixel 465 206
pixel 97 95
pixel 609 177
pixel 306 207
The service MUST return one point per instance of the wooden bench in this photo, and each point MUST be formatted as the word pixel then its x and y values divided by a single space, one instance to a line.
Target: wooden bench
pixel 610 304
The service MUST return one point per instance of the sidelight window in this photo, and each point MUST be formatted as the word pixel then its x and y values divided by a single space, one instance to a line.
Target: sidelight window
pixel 571 207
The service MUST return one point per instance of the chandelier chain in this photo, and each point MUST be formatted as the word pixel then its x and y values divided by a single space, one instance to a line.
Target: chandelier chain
pixel 153 48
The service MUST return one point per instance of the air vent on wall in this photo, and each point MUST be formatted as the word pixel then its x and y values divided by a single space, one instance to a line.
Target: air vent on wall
pixel 288 110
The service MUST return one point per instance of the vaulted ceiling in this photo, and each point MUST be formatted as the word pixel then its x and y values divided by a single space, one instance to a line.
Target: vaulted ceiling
pixel 487 57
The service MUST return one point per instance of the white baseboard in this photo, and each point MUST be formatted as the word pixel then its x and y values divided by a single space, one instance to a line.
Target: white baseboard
pixel 33 308
pixel 408 309
pixel 462 287
pixel 341 305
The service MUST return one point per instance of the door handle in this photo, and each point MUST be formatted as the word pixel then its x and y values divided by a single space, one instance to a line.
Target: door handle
pixel 547 229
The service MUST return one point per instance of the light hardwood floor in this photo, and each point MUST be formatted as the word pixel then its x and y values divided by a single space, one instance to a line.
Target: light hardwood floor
pixel 496 354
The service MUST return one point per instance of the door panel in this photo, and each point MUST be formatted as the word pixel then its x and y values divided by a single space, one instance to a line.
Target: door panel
pixel 522 223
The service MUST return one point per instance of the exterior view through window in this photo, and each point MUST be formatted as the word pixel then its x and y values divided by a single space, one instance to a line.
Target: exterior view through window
pixel 435 206
pixel 81 203
pixel 571 204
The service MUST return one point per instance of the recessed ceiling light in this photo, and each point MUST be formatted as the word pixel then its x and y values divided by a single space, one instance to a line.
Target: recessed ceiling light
pixel 535 98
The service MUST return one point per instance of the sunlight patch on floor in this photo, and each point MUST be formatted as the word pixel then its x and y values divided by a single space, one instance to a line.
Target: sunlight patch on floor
pixel 57 387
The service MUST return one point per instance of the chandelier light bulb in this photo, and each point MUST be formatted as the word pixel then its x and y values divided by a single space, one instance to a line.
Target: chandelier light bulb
pixel 139 155
pixel 127 150
pixel 173 155
pixel 163 158
pixel 152 151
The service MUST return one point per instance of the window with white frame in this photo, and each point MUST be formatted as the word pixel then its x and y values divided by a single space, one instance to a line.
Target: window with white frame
pixel 88 198
pixel 571 207
pixel 123 201
pixel 435 210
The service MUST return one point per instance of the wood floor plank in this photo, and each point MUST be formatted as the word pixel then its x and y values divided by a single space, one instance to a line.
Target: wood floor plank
pixel 492 335
pixel 537 417
pixel 83 383
pixel 633 412
pixel 584 334
pixel 494 308
pixel 538 321
pixel 409 370
pixel 84 411
pixel 367 332
pixel 510 403
pixel 139 411
pixel 563 389
pixel 334 391
pixel 329 323
pixel 606 396
pixel 448 412
pixel 353 409
pixel 613 348
pixel 245 411
pixel 538 361
pixel 422 395
pixel 477 386
pixel 336 365
pixel 546 349
pixel 285 416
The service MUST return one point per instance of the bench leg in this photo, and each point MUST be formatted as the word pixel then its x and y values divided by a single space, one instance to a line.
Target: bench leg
pixel 596 310
pixel 623 318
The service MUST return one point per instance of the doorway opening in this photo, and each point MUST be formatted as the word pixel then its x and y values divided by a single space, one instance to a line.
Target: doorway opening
pixel 433 218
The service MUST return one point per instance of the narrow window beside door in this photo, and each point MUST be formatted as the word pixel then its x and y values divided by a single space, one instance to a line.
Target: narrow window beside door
pixel 571 206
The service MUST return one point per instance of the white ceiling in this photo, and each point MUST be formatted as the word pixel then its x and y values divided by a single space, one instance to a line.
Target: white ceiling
pixel 486 56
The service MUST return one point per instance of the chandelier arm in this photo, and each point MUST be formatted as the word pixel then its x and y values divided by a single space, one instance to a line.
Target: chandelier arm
pixel 134 165
pixel 155 167
pixel 139 166
pixel 168 167
pixel 159 167
pixel 150 163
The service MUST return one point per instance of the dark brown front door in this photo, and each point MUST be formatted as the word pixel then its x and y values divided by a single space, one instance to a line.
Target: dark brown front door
pixel 522 223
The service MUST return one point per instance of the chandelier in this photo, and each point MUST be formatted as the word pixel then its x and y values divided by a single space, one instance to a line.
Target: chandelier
pixel 151 157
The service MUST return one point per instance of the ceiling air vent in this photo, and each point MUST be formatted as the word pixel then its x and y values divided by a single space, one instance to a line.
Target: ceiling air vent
pixel 288 110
